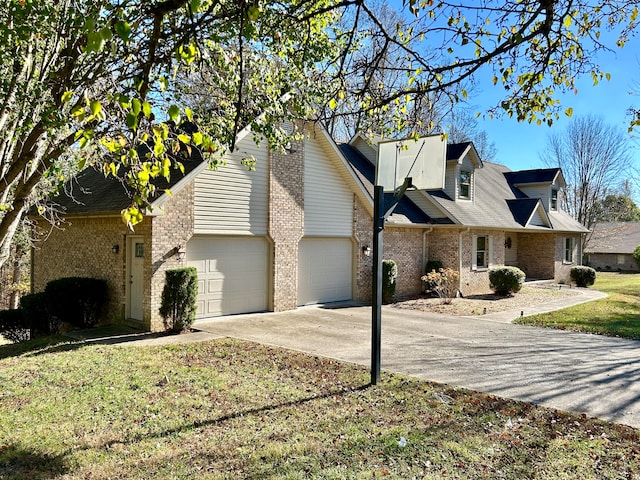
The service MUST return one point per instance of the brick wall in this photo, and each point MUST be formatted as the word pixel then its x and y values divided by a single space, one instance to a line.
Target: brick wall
pixel 170 230
pixel 562 269
pixel 537 254
pixel 83 247
pixel 363 237
pixel 609 262
pixel 286 223
pixel 404 246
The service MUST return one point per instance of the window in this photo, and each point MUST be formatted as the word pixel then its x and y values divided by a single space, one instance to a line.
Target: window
pixel 621 259
pixel 554 199
pixel 482 253
pixel 465 184
pixel 568 250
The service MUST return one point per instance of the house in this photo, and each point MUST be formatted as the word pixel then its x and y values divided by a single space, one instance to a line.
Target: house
pixel 611 246
pixel 298 230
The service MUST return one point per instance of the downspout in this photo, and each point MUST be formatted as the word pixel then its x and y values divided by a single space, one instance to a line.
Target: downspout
pixel 425 251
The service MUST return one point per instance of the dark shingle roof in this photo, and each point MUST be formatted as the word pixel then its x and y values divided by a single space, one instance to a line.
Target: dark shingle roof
pixel 90 192
pixel 406 211
pixel 616 237
pixel 541 175
pixel 455 150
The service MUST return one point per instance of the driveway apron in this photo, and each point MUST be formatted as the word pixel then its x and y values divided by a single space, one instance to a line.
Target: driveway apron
pixel 591 374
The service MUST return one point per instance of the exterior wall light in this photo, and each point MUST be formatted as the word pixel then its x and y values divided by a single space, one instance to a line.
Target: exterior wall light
pixel 366 251
pixel 115 249
pixel 180 252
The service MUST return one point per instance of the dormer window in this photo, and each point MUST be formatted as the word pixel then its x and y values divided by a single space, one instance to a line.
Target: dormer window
pixel 465 184
pixel 554 199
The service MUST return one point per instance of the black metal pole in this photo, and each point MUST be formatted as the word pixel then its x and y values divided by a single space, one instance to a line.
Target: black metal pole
pixel 376 283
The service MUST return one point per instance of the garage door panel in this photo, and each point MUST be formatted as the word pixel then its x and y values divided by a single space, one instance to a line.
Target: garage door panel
pixel 232 273
pixel 325 270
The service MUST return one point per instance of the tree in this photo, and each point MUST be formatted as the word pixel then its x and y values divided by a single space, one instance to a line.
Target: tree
pixel 463 127
pixel 617 208
pixel 92 80
pixel 593 157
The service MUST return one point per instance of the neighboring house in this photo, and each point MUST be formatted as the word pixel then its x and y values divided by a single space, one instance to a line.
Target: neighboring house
pixel 298 230
pixel 611 246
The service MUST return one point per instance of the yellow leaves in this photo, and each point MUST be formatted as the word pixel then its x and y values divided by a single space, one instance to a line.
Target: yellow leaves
pixel 66 96
pixel 634 15
pixel 333 104
pixel 569 112
pixel 567 21
pixel 131 216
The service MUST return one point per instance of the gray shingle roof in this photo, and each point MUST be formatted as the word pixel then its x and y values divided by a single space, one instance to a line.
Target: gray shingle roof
pixel 617 237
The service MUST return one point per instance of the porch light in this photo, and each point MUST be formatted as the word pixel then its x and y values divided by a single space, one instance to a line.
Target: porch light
pixel 180 251
pixel 115 248
pixel 366 250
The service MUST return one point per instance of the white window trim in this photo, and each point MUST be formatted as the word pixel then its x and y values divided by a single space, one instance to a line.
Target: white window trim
pixel 489 253
pixel 551 207
pixel 573 251
pixel 468 197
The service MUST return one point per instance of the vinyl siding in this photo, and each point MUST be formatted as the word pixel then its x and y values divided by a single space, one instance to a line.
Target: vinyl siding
pixel 365 149
pixel 543 192
pixel 328 202
pixel 232 199
pixel 426 205
pixel 536 219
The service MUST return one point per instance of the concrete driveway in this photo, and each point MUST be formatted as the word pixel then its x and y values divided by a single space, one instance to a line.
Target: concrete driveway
pixel 590 374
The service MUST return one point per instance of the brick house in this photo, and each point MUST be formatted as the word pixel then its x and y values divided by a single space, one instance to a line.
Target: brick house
pixel 297 230
pixel 611 246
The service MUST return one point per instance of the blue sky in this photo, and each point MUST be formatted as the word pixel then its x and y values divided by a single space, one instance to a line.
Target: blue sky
pixel 519 144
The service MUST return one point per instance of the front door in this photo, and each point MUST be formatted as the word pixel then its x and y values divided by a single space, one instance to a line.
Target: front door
pixel 136 277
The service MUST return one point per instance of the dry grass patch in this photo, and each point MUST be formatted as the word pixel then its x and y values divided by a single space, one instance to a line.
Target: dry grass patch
pixel 230 409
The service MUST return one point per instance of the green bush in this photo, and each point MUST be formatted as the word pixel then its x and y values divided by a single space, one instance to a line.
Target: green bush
pixel 506 280
pixel 433 265
pixel 582 276
pixel 636 255
pixel 76 300
pixel 13 326
pixel 37 316
pixel 389 279
pixel 178 307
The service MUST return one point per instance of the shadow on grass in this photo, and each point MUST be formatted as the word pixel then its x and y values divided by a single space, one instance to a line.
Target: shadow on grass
pixel 19 464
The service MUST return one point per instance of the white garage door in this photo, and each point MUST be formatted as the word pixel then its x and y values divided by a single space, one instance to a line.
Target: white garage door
pixel 232 274
pixel 324 270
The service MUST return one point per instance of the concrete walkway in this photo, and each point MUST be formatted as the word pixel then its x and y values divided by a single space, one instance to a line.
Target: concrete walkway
pixel 591 374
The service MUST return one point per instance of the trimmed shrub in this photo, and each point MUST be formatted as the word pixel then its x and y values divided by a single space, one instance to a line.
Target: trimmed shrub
pixel 13 326
pixel 37 316
pixel 636 255
pixel 506 280
pixel 389 280
pixel 178 307
pixel 76 300
pixel 444 282
pixel 582 276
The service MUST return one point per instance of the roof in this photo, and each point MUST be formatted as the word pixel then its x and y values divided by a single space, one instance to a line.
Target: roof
pixel 406 211
pixel 616 237
pixel 90 192
pixel 540 175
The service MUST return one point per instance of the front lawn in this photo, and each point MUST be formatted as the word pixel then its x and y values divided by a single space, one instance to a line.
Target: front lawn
pixel 231 409
pixel 618 315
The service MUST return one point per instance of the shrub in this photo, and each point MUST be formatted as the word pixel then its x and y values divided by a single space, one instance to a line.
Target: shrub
pixel 178 307
pixel 444 282
pixel 582 276
pixel 636 255
pixel 389 280
pixel 37 316
pixel 433 265
pixel 76 300
pixel 506 280
pixel 13 326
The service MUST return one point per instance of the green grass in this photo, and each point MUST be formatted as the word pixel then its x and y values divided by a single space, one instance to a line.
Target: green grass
pixel 231 409
pixel 618 315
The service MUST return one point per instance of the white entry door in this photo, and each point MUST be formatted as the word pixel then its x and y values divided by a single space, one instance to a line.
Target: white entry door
pixel 325 269
pixel 135 257
pixel 232 274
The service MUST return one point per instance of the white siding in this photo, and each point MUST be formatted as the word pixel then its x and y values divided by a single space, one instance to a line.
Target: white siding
pixel 543 192
pixel 232 199
pixel 369 151
pixel 451 180
pixel 328 201
pixel 426 205
pixel 536 219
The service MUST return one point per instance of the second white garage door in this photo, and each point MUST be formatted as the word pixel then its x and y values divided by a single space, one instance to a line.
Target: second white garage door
pixel 324 270
pixel 232 274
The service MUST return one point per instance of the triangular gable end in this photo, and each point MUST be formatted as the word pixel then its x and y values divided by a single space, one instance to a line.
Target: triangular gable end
pixel 469 150
pixel 539 217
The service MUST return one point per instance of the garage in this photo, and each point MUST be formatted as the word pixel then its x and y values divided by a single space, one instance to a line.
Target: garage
pixel 325 270
pixel 232 274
